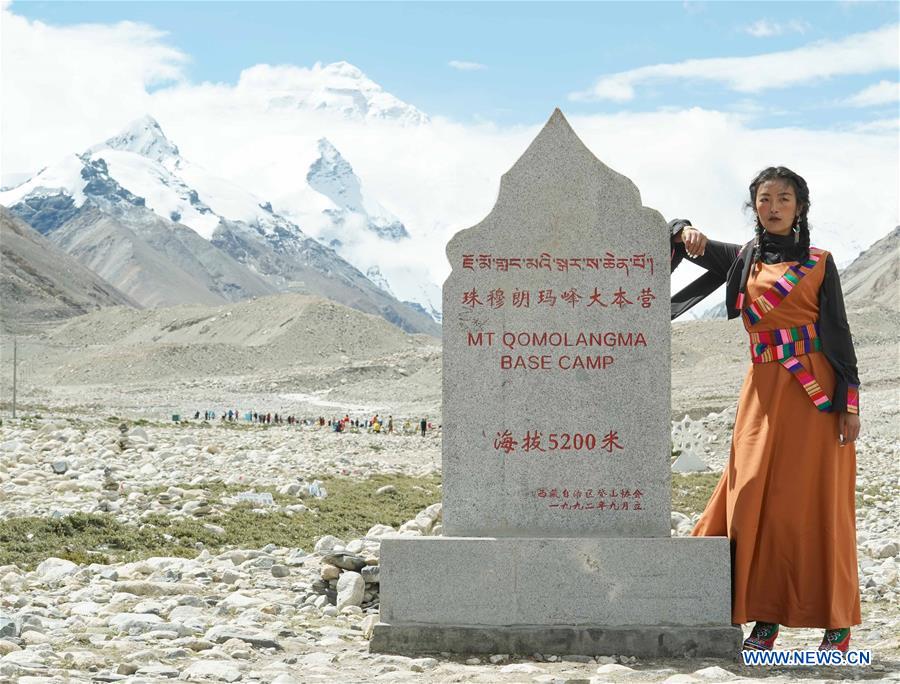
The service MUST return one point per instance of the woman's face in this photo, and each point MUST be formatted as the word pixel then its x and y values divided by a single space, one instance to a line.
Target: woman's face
pixel 776 206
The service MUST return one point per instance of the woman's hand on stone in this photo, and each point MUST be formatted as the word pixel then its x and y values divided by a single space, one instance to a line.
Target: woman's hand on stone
pixel 848 427
pixel 694 241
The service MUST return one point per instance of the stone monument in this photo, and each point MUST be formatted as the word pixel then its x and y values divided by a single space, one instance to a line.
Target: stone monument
pixel 556 451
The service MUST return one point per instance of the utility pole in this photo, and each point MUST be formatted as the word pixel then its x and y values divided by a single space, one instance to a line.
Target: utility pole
pixel 14 377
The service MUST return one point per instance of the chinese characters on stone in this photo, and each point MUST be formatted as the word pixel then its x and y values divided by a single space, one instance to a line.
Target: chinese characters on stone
pixel 563 441
pixel 522 299
pixel 589 499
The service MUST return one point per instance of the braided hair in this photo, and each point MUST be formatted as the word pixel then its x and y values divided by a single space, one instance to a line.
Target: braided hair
pixel 801 190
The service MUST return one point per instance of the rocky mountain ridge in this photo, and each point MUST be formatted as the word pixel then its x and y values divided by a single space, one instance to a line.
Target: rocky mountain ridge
pixel 131 209
pixel 41 285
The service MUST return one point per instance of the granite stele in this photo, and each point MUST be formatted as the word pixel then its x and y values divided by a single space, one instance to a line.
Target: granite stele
pixel 556 406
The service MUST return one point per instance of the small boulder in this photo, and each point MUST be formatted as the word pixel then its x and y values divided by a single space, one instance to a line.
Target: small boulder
pixel 345 561
pixel 350 589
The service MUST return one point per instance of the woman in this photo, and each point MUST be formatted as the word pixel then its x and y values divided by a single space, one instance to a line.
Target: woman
pixel 786 498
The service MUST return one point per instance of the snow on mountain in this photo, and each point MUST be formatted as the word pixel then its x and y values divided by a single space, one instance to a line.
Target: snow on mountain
pixel 332 176
pixel 421 292
pixel 63 178
pixel 144 137
pixel 339 88
pixel 374 274
pixel 333 206
pixel 174 228
pixel 145 163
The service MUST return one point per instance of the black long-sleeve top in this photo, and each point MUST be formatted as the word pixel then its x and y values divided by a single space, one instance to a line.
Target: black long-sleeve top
pixel 727 263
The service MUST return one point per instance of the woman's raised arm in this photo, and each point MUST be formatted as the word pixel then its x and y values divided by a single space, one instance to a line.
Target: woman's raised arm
pixel 689 243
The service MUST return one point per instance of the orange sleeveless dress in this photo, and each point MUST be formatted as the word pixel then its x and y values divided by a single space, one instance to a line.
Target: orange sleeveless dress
pixel 786 499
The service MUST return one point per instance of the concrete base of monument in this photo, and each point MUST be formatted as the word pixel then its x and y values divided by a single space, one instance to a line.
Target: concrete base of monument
pixel 642 641
pixel 594 596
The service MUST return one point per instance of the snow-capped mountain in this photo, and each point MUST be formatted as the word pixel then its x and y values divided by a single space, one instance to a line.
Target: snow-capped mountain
pixel 359 228
pixel 374 274
pixel 332 176
pixel 145 138
pixel 338 89
pixel 165 231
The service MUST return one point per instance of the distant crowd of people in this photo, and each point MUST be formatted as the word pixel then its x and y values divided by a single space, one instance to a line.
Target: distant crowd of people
pixel 374 424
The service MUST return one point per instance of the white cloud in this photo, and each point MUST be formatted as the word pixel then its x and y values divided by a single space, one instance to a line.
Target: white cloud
pixel 438 176
pixel 860 53
pixel 880 126
pixel 767 29
pixel 883 92
pixel 466 66
pixel 63 86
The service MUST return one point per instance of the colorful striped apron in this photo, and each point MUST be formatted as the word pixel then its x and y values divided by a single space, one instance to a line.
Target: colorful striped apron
pixel 785 344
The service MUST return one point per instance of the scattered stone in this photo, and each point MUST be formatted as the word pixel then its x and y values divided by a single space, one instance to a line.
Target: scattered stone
pixel 614 669
pixel 285 678
pixel 220 670
pixel 158 670
pixel 350 589
pixel 327 543
pixel 135 623
pixel 345 561
pixel 8 626
pixel 31 637
pixel 368 625
pixel 330 572
pixel 371 574
pixel 54 569
pixel 280 571
pixel 387 489
pixel 888 550
pixel 715 673
pixel 422 664
pixel 223 633
pixel 689 462
pixel 238 601
pixel 136 433
pixel 8 647
pixel 60 467
pixel 577 659
pixel 521 668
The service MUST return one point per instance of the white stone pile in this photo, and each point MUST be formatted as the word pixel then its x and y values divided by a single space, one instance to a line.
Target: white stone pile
pixel 349 573
pixel 706 439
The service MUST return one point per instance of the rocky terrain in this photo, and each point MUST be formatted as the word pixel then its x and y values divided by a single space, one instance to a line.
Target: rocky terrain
pixel 286 614
pixel 137 548
pixel 164 231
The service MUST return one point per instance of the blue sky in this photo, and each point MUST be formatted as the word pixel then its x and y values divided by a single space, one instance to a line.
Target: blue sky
pixel 534 54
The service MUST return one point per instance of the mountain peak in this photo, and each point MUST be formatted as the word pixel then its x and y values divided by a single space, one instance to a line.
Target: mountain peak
pixel 329 152
pixel 333 176
pixel 345 69
pixel 339 88
pixel 145 137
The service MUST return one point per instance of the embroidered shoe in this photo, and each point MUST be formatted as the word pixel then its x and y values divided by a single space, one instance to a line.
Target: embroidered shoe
pixel 762 638
pixel 836 640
